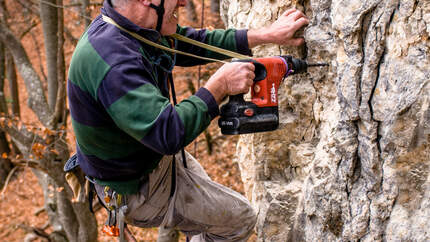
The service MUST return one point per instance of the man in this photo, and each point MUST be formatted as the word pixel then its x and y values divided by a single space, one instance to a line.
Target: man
pixel 126 127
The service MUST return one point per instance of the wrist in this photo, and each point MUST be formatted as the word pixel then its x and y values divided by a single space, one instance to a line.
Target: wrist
pixel 258 37
pixel 216 88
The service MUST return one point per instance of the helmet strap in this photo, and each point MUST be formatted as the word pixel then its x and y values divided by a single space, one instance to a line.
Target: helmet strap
pixel 160 12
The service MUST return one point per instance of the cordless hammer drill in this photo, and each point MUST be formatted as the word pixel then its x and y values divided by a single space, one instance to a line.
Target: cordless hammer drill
pixel 261 113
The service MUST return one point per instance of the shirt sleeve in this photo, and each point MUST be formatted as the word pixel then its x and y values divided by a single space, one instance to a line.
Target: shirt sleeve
pixel 230 39
pixel 136 105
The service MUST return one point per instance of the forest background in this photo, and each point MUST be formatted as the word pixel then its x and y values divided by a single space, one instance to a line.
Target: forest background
pixel 37 39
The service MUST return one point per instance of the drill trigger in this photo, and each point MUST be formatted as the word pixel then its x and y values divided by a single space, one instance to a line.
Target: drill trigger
pixel 260 70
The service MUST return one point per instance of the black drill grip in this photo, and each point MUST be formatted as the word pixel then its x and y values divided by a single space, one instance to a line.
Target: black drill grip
pixel 260 70
pixel 238 98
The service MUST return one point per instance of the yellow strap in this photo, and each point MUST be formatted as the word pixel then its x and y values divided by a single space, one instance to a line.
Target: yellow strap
pixel 181 38
pixel 209 47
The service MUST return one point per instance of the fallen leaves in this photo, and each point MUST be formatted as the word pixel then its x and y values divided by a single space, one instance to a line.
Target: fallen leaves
pixel 38 150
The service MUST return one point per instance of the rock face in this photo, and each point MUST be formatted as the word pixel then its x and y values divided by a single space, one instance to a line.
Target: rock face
pixel 351 159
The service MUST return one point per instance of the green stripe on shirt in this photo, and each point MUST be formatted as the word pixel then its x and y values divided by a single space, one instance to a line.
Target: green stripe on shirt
pixel 193 113
pixel 87 68
pixel 104 142
pixel 137 111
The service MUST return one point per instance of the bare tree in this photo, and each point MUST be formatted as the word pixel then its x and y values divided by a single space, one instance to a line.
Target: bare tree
pixel 44 147
pixel 13 84
pixel 85 12
pixel 5 164
pixel 191 11
pixel 49 17
pixel 215 6
pixel 60 108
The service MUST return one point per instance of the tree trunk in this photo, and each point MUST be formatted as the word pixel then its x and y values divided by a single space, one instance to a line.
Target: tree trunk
pixel 5 164
pixel 49 17
pixel 51 205
pixel 60 108
pixel 85 12
pixel 13 84
pixel 215 6
pixel 351 159
pixel 3 105
pixel 191 11
pixel 71 221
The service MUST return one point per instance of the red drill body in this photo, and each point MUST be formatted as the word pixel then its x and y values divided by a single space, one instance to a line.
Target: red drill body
pixel 264 93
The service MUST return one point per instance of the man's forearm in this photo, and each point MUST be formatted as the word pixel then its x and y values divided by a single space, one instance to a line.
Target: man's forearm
pixel 257 37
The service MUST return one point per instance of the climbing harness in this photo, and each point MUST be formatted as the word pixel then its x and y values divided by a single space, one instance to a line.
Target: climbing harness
pixel 116 207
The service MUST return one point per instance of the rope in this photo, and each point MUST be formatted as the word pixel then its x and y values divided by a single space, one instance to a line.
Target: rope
pixel 209 47
pixel 162 47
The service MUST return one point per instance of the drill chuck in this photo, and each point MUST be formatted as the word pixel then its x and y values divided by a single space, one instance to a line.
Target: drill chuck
pixel 298 65
pixel 317 64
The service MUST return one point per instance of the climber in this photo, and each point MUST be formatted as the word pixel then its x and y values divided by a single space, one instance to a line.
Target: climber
pixel 127 130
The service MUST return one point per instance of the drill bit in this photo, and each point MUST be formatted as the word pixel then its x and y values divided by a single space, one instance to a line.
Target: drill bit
pixel 318 64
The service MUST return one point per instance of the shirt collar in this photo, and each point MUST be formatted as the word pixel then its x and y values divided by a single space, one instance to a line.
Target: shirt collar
pixel 108 10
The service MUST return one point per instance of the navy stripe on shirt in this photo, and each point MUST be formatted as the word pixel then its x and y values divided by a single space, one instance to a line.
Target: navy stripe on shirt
pixel 124 168
pixel 165 135
pixel 84 109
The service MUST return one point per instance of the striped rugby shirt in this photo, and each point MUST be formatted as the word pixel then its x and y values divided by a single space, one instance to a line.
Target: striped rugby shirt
pixel 119 102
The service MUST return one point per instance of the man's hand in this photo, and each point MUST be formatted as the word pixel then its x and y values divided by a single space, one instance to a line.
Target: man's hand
pixel 280 32
pixel 231 79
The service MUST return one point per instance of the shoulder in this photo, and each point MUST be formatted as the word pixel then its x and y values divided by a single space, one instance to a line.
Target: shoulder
pixel 112 44
pixel 102 49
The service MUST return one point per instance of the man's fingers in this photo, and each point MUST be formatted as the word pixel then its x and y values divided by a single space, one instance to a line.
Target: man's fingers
pixel 247 65
pixel 289 11
pixel 297 14
pixel 250 82
pixel 247 85
pixel 251 66
pixel 251 76
pixel 300 23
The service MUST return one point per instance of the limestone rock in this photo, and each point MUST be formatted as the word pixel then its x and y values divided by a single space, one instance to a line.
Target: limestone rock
pixel 351 159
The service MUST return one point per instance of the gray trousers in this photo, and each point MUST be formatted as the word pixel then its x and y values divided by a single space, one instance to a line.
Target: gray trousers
pixel 200 208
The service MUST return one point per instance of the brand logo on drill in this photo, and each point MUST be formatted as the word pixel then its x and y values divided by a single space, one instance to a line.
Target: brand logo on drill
pixel 273 93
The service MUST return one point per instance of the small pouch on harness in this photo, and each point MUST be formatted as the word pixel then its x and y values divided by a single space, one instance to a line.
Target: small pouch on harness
pixel 115 225
pixel 71 169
